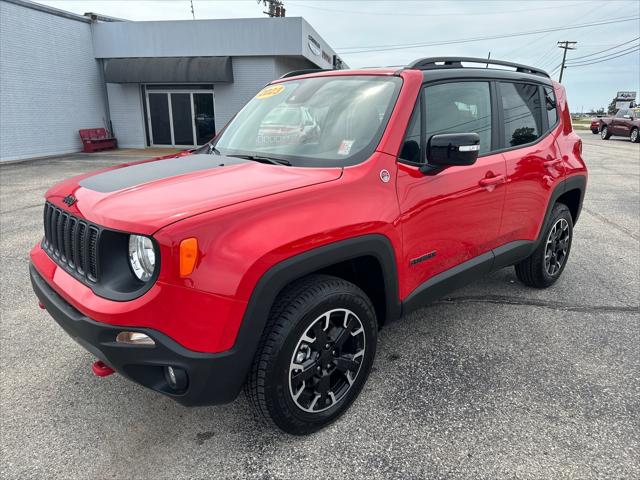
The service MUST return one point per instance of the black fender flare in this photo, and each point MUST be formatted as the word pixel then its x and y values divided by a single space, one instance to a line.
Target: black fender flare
pixel 283 273
pixel 575 182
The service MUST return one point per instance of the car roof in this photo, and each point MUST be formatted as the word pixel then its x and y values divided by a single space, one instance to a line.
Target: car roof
pixel 443 68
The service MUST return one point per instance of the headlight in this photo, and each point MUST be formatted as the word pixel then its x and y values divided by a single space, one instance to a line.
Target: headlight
pixel 142 256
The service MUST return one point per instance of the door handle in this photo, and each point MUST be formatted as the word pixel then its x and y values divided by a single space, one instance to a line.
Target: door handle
pixel 552 163
pixel 486 182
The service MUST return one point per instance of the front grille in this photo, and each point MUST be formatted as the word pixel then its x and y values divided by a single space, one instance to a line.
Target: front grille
pixel 71 242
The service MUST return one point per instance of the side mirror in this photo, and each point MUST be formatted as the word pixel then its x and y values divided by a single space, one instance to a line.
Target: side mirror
pixel 451 150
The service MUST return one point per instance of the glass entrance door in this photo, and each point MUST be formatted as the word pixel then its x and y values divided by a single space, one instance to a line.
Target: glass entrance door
pixel 180 118
pixel 204 120
pixel 159 119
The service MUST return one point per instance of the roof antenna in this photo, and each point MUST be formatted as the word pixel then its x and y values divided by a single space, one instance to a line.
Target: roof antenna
pixel 193 14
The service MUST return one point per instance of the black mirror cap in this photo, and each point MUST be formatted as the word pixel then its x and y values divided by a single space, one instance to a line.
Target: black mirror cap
pixel 453 149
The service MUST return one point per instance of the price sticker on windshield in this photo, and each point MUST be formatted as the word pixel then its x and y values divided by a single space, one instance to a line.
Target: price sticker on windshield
pixel 345 147
pixel 270 91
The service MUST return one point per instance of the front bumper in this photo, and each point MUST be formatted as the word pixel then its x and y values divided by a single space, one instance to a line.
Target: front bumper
pixel 213 378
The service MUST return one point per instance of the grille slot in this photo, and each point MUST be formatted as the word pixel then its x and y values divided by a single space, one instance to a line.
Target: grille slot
pixel 71 242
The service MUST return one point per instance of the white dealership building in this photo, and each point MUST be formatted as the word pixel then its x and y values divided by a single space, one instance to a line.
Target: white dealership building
pixel 161 83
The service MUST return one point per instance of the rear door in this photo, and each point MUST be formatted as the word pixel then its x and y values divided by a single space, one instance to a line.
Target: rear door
pixel 528 119
pixel 618 122
pixel 453 216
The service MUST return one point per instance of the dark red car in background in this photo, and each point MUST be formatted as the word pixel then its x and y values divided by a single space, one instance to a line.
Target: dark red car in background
pixel 625 123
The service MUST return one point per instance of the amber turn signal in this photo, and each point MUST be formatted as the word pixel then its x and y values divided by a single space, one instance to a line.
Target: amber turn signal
pixel 188 256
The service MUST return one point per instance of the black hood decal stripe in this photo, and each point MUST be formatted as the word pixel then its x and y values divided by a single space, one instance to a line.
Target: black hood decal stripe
pixel 128 177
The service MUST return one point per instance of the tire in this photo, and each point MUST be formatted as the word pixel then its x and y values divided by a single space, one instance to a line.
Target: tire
pixel 545 265
pixel 604 133
pixel 317 319
pixel 634 136
pixel 594 131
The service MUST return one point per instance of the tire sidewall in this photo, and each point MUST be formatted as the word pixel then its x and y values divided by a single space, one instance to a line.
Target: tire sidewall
pixel 277 381
pixel 637 139
pixel 604 133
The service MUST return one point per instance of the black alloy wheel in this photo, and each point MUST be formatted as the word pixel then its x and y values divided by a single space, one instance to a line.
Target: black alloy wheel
pixel 326 360
pixel 557 247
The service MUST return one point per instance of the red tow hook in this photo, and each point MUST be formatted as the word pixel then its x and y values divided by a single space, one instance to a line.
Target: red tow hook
pixel 41 305
pixel 100 369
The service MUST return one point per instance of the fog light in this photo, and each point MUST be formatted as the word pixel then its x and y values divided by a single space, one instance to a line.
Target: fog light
pixel 134 338
pixel 176 378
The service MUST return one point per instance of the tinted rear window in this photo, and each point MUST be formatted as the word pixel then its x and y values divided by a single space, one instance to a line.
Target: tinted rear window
pixel 521 113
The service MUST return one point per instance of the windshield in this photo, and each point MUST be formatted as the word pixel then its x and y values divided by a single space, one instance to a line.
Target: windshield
pixel 322 121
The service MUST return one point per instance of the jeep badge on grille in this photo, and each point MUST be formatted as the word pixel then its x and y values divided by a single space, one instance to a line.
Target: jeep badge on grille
pixel 69 200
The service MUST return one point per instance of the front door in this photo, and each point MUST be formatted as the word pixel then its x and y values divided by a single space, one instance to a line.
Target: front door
pixel 180 118
pixel 455 215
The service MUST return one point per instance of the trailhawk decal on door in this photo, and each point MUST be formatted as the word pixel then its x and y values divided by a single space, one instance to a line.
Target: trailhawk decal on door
pixel 422 258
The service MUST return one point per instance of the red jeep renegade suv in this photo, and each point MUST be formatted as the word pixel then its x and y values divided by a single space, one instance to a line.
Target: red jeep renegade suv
pixel 333 202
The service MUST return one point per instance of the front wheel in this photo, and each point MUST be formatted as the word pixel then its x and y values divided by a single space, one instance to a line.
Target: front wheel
pixel 545 265
pixel 604 133
pixel 634 136
pixel 315 354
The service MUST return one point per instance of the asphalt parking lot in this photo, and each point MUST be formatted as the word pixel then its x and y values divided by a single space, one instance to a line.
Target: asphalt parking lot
pixel 497 381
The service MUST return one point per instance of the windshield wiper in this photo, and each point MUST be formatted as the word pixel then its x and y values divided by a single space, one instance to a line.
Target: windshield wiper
pixel 261 159
pixel 213 149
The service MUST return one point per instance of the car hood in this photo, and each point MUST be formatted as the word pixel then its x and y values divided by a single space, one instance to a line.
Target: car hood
pixel 146 196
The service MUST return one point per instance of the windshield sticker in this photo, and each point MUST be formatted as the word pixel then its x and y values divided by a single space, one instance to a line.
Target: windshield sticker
pixel 270 91
pixel 345 147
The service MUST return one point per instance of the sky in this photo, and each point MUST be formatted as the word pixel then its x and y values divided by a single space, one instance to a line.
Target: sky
pixel 379 33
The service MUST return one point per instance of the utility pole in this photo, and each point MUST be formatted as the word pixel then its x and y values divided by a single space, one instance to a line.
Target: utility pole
pixel 276 8
pixel 565 45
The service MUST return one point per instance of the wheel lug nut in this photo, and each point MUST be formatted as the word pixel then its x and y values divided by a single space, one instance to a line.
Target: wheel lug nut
pixel 327 346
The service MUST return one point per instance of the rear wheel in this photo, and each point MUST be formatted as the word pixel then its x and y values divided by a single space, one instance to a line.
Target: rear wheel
pixel 634 136
pixel 604 133
pixel 315 354
pixel 545 265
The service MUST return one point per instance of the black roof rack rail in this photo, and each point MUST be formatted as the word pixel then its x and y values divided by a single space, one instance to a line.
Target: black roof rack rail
pixel 295 73
pixel 436 63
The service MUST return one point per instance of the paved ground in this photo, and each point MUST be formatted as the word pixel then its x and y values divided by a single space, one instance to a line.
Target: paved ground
pixel 498 381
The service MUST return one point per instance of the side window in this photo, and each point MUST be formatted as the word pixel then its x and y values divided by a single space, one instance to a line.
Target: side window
pixel 621 113
pixel 411 151
pixel 550 103
pixel 521 113
pixel 459 107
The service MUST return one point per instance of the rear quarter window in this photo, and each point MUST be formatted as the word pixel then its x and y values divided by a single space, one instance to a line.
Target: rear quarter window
pixel 522 114
pixel 550 106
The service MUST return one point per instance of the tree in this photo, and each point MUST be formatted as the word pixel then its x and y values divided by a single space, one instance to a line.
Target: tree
pixel 600 111
pixel 612 107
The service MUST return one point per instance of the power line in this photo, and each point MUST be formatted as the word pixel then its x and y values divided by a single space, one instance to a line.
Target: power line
pixel 531 44
pixel 636 49
pixel 603 56
pixel 438 14
pixel 605 50
pixel 490 37
pixel 551 59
